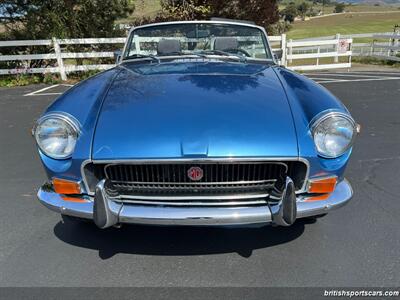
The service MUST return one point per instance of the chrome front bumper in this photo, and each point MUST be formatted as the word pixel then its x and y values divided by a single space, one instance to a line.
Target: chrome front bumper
pixel 193 216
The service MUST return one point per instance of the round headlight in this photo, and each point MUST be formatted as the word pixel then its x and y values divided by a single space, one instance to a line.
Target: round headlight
pixel 56 136
pixel 333 134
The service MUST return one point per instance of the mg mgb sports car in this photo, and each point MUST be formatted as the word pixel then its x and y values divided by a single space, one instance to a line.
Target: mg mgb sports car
pixel 197 124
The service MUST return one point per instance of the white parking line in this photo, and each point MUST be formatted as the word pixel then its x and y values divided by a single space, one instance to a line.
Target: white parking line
pixel 335 77
pixel 345 75
pixel 357 80
pixel 39 92
pixel 374 72
pixel 317 79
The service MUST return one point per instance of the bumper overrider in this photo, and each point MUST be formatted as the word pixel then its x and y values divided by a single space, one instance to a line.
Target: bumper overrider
pixel 105 212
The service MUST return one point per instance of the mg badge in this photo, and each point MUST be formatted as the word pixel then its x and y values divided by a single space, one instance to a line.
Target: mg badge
pixel 195 173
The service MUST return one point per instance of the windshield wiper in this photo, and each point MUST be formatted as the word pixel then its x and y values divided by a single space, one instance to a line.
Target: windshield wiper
pixel 143 56
pixel 223 53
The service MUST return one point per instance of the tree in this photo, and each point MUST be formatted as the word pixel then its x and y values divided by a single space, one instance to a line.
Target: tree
pixel 303 9
pixel 290 12
pixel 325 3
pixel 262 12
pixel 339 7
pixel 40 19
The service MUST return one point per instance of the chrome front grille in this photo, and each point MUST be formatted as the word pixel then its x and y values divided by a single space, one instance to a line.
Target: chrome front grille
pixel 160 181
pixel 190 189
pixel 177 173
pixel 167 183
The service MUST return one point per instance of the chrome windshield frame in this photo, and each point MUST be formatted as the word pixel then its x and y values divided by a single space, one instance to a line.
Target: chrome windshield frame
pixel 236 23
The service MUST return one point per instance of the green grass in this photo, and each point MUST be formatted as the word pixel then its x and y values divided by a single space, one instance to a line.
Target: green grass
pixel 351 23
pixel 375 61
pixel 328 9
pixel 369 8
pixel 27 79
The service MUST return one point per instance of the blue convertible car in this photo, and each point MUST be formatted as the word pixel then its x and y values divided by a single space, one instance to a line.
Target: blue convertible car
pixel 196 125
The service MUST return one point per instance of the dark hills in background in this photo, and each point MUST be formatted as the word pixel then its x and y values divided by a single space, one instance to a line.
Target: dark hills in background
pixel 382 2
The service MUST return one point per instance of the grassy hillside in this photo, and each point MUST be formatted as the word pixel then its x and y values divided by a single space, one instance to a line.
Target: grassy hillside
pixel 372 2
pixel 143 8
pixel 349 23
pixel 327 9
pixel 371 8
pixel 359 19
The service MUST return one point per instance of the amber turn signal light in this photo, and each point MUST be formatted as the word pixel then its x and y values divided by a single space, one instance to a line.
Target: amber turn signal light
pixel 322 186
pixel 66 187
pixel 74 199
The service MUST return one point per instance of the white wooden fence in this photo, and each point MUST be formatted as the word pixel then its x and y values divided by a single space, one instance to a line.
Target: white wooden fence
pixel 332 49
pixel 291 51
pixel 387 51
pixel 384 45
pixel 58 55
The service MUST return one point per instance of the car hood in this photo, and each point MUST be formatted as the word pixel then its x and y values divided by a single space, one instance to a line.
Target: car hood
pixel 177 110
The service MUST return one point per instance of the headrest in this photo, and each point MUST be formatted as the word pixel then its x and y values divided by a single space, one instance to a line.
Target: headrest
pixel 166 47
pixel 225 43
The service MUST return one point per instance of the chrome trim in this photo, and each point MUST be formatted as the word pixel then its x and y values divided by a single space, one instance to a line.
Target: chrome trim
pixel 183 198
pixel 192 56
pixel 105 212
pixel 56 203
pixel 287 201
pixel 67 118
pixel 194 182
pixel 358 128
pixel 163 186
pixel 339 197
pixel 84 163
pixel 199 160
pixel 324 115
pixel 195 161
pixel 70 119
pixel 186 162
pixel 192 203
pixel 142 214
pixel 195 216
pixel 195 22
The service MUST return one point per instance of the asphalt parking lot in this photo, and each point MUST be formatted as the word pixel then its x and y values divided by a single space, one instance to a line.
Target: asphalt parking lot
pixel 357 245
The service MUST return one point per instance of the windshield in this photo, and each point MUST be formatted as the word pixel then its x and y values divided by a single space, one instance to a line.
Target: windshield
pixel 200 39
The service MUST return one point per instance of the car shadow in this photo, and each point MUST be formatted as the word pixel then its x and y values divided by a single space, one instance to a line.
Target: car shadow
pixel 171 241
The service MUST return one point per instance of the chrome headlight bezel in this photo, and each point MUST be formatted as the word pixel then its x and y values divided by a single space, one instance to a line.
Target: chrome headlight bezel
pixel 69 122
pixel 331 115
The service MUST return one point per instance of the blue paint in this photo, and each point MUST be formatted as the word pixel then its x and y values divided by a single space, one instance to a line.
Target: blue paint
pixel 198 109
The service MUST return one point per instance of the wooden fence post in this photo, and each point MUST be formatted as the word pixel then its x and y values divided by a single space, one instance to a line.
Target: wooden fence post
pixel 372 47
pixel 283 48
pixel 337 37
pixel 351 55
pixel 60 61
pixel 290 51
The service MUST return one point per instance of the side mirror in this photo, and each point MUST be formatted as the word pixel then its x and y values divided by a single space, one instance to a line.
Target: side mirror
pixel 278 54
pixel 117 56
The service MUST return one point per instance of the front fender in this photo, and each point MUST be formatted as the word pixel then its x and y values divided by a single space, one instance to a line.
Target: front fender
pixel 83 102
pixel 308 100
